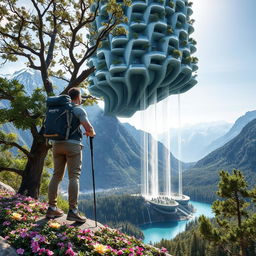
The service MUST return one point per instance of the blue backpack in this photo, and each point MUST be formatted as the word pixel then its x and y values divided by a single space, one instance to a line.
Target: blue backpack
pixel 59 121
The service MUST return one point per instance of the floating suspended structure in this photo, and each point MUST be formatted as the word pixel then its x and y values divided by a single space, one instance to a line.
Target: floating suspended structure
pixel 149 62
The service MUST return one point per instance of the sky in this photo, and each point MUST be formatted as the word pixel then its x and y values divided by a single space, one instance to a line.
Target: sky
pixel 225 31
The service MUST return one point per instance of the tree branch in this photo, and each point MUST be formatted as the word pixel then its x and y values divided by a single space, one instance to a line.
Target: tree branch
pixel 52 41
pixel 79 79
pixel 61 77
pixel 20 53
pixel 20 172
pixel 14 144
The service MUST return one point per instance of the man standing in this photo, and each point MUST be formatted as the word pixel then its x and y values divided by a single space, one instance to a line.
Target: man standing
pixel 69 152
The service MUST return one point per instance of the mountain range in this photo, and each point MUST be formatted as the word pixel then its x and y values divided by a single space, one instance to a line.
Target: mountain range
pixel 117 149
pixel 195 139
pixel 239 124
pixel 239 153
pixel 117 154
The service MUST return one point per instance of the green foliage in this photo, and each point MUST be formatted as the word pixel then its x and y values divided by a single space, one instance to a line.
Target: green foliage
pixel 120 31
pixel 45 179
pixel 127 228
pixel 190 4
pixel 18 161
pixel 176 53
pixel 184 43
pixel 236 225
pixel 192 41
pixel 191 22
pixel 62 203
pixel 135 35
pixel 171 4
pixel 194 60
pixel 187 243
pixel 169 30
pixel 24 111
pixel 11 179
pixel 116 209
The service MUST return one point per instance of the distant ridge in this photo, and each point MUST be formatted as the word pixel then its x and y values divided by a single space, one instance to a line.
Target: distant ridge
pixel 239 124
pixel 239 153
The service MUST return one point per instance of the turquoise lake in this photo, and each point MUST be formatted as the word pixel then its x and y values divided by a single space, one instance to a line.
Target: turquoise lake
pixel 156 231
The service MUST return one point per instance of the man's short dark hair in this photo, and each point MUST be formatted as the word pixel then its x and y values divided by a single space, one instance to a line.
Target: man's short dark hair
pixel 74 93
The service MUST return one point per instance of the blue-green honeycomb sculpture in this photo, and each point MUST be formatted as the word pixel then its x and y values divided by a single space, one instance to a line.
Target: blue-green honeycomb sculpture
pixel 152 60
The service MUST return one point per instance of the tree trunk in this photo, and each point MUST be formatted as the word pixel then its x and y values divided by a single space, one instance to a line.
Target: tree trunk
pixel 31 178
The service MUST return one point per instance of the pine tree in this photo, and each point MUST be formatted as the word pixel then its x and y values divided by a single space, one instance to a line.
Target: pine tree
pixel 235 224
pixel 194 246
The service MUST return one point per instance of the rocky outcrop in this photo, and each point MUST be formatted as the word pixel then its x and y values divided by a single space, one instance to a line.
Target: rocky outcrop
pixel 89 224
pixel 6 188
pixel 6 249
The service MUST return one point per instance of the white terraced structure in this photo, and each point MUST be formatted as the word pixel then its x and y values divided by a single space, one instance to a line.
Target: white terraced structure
pixel 150 62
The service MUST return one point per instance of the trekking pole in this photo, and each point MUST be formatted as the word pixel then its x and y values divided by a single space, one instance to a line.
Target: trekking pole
pixel 93 180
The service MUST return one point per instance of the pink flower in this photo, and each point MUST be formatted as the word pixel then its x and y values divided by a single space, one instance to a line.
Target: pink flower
pixel 49 252
pixel 163 249
pixel 35 247
pixel 120 252
pixel 20 251
pixel 69 252
pixel 6 223
pixel 41 251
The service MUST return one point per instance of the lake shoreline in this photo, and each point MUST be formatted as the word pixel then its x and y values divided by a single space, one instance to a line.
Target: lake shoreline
pixel 154 232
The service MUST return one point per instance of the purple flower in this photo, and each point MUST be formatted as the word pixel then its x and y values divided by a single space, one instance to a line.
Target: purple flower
pixel 61 245
pixel 20 251
pixel 23 234
pixel 6 223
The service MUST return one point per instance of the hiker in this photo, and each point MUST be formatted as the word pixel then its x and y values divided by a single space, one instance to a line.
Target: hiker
pixel 69 152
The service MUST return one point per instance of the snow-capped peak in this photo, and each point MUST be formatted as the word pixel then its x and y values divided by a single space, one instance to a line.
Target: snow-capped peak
pixel 31 79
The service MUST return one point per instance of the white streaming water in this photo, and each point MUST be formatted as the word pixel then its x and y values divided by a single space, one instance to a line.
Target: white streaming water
pixel 179 147
pixel 144 156
pixel 166 154
pixel 154 151
pixel 155 116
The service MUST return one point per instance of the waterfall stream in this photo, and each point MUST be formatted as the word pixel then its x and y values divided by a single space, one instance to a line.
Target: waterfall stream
pixel 155 116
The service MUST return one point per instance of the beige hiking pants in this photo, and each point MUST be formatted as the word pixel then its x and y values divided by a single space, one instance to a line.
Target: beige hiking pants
pixel 70 154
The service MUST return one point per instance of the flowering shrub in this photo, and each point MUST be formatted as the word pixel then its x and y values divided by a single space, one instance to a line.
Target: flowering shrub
pixel 19 214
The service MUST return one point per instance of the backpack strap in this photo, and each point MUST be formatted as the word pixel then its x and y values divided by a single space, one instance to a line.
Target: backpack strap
pixel 69 121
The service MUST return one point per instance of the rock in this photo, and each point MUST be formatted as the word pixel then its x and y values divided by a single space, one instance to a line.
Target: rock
pixel 89 224
pixel 6 249
pixel 6 187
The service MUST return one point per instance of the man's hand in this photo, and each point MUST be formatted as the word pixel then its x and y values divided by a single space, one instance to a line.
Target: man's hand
pixel 90 133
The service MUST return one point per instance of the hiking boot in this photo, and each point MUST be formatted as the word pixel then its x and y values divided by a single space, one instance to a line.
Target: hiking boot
pixel 75 217
pixel 51 214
